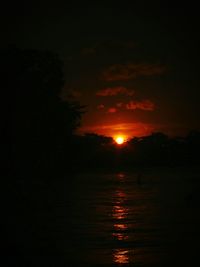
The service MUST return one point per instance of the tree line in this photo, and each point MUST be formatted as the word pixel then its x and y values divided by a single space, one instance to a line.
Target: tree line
pixel 38 128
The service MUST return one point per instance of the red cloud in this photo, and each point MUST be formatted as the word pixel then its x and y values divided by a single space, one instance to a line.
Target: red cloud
pixel 121 72
pixel 112 91
pixel 112 110
pixel 119 105
pixel 142 105
pixel 101 106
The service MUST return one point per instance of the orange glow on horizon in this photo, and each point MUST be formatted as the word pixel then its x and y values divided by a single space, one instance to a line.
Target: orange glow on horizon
pixel 127 130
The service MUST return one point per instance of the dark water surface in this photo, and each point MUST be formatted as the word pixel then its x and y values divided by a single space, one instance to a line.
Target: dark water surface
pixel 134 219
pixel 142 218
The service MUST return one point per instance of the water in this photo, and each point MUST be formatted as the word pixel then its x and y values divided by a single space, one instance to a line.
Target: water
pixel 143 218
pixel 118 223
pixel 132 219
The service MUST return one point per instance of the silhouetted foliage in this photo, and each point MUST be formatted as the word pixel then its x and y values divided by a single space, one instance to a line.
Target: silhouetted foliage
pixel 156 149
pixel 39 124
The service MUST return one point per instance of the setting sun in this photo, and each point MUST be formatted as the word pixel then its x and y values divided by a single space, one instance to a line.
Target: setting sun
pixel 119 140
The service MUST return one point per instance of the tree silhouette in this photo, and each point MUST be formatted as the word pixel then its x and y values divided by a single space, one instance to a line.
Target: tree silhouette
pixel 36 120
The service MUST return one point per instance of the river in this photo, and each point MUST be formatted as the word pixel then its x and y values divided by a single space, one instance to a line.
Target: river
pixel 140 218
pixel 143 218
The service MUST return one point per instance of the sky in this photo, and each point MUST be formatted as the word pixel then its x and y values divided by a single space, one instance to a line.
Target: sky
pixel 135 66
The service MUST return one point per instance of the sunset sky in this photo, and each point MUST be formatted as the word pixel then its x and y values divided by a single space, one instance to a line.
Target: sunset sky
pixel 134 66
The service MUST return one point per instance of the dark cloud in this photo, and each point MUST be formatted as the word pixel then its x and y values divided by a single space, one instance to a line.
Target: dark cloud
pixel 101 106
pixel 113 91
pixel 146 105
pixel 119 72
pixel 120 104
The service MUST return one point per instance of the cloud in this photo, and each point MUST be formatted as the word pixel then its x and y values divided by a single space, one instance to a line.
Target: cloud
pixel 101 106
pixel 125 72
pixel 112 110
pixel 113 91
pixel 147 105
pixel 119 105
pixel 129 129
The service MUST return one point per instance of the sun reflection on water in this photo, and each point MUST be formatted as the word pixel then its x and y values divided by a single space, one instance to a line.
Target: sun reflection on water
pixel 119 212
pixel 120 232
pixel 120 226
pixel 121 176
pixel 120 236
pixel 121 256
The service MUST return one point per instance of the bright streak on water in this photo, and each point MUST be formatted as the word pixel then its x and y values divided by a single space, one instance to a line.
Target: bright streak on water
pixel 116 221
